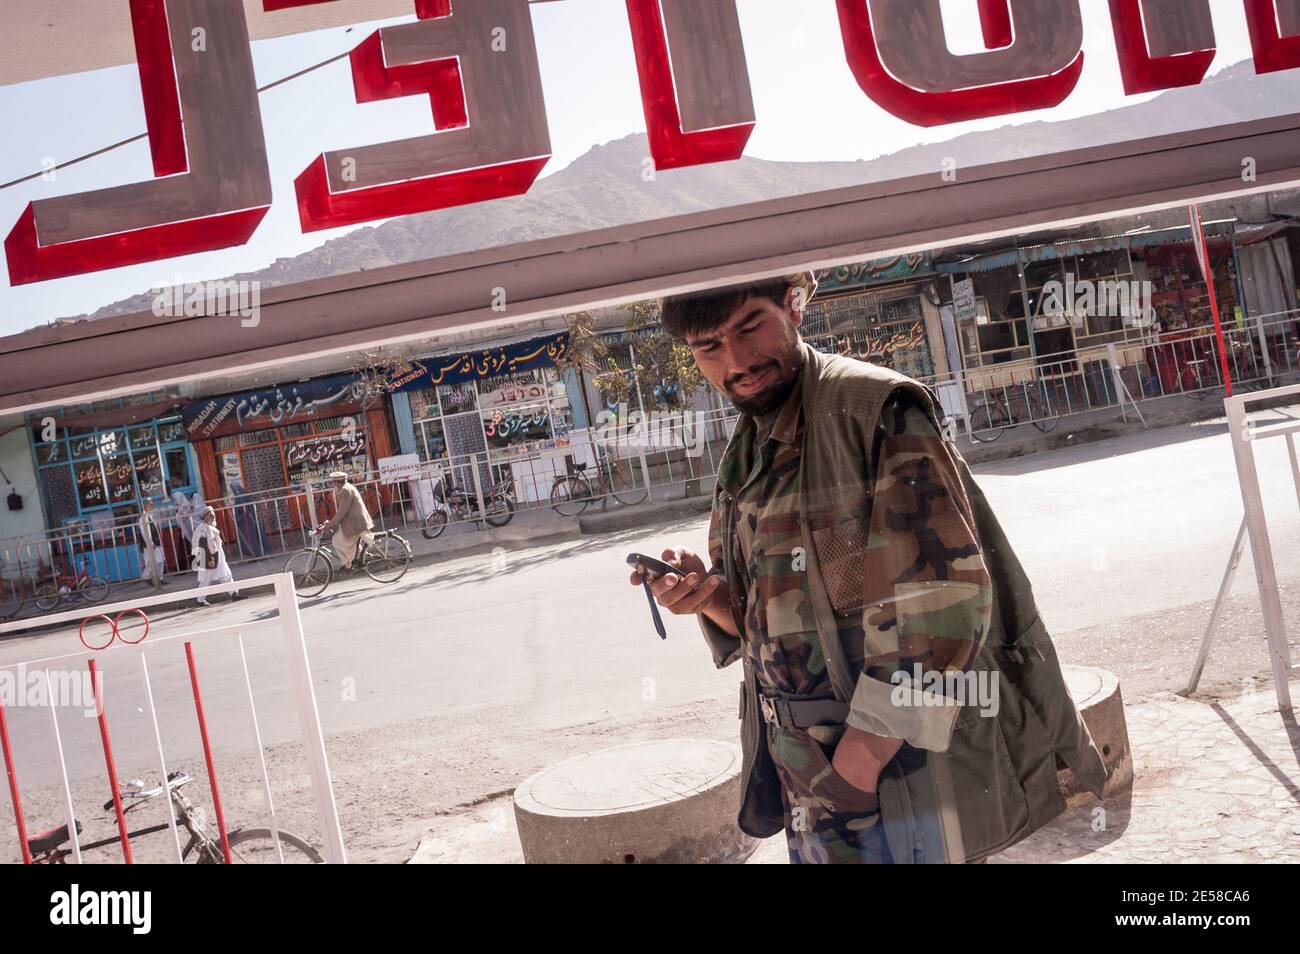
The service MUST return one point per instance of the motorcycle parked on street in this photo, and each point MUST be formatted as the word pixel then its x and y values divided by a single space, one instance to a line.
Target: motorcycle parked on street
pixel 450 501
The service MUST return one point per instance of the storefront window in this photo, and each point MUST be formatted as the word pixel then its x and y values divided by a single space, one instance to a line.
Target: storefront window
pixel 516 426
pixel 885 327
pixel 509 416
pixel 84 472
pixel 433 443
pixel 90 485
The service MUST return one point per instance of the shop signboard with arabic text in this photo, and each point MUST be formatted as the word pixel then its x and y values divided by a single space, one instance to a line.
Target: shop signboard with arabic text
pixel 271 407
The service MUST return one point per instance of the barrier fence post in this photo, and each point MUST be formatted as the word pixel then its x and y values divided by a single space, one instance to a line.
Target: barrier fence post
pixel 1260 547
pixel 207 753
pixel 63 770
pixel 108 761
pixel 162 761
pixel 14 800
pixel 309 721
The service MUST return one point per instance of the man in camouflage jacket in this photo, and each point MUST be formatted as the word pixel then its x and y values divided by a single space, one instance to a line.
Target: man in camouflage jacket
pixel 902 701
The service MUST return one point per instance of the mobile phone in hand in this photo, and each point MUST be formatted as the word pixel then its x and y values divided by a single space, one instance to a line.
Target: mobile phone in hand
pixel 653 570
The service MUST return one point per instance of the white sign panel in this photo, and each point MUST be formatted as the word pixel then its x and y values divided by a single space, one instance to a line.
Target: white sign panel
pixel 393 470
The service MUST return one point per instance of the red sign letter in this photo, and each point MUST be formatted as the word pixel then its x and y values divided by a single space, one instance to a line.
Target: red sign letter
pixel 1274 27
pixel 478 65
pixel 698 108
pixel 205 131
pixel 1162 43
pixel 897 51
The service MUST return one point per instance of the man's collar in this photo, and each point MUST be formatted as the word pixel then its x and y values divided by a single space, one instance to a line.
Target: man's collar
pixel 786 425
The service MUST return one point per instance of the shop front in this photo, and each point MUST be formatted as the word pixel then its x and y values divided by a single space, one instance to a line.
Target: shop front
pixel 1054 312
pixel 94 477
pixel 883 311
pixel 507 407
pixel 257 450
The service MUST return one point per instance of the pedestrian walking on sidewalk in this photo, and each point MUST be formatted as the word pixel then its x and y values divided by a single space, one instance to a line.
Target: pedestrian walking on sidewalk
pixel 902 701
pixel 154 561
pixel 210 554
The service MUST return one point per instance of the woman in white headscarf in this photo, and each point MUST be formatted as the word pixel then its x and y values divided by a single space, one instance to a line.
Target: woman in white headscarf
pixel 210 554
pixel 183 514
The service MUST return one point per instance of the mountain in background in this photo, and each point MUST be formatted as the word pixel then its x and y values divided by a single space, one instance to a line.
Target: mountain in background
pixel 604 187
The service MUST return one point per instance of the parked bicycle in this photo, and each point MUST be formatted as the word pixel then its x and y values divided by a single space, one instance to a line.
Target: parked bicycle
pixel 14 584
pixel 1244 364
pixel 573 492
pixel 451 501
pixel 247 845
pixel 385 560
pixel 991 416
pixel 79 587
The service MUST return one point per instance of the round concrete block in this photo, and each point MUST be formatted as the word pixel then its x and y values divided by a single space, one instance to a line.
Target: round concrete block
pixel 670 801
pixel 1096 695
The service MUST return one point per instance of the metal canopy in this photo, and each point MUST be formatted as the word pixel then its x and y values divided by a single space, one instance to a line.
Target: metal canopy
pixel 408 303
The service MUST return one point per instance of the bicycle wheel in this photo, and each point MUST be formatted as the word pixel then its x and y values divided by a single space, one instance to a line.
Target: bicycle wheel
pixel 986 426
pixel 47 596
pixel 1044 418
pixel 93 589
pixel 435 523
pixel 623 485
pixel 387 559
pixel 256 846
pixel 311 572
pixel 500 512
pixel 570 495
pixel 14 596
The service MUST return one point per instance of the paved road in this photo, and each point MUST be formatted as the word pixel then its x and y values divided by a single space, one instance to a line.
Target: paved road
pixel 454 683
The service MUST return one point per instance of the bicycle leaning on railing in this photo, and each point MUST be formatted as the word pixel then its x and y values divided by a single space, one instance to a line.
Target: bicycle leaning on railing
pixel 990 416
pixel 82 586
pixel 385 560
pixel 573 492
pixel 247 845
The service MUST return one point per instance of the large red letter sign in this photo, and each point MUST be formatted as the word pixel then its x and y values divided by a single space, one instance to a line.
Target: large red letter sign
pixel 694 80
pixel 1274 27
pixel 898 53
pixel 1162 43
pixel 477 62
pixel 205 130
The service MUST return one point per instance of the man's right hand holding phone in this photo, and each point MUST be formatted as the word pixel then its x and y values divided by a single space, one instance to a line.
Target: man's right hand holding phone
pixel 692 590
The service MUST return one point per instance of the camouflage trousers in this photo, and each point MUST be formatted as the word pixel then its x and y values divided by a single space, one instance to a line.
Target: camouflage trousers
pixel 827 819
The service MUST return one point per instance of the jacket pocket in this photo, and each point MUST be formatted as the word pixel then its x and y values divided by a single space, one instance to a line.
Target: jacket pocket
pixel 988 797
pixel 842 556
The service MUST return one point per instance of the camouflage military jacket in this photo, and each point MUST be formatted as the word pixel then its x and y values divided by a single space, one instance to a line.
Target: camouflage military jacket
pixel 904 576
pixel 967 781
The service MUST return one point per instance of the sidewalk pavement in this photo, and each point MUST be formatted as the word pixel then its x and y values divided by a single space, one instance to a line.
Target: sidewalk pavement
pixel 1089 426
pixel 1214 781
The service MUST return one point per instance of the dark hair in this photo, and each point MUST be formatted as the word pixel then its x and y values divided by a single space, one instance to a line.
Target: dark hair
pixel 698 312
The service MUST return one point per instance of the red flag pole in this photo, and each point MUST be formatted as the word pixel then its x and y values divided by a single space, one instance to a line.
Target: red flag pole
pixel 1203 256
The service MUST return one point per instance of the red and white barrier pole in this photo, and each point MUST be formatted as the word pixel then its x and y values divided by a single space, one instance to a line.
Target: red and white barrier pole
pixel 207 752
pixel 108 762
pixel 13 787
pixel 1207 269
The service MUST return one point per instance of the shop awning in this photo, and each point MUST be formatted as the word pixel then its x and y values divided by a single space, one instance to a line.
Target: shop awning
pixel 1253 234
pixel 1082 246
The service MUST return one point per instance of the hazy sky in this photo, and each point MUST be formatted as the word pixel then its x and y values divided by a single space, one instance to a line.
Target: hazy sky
pixel 807 103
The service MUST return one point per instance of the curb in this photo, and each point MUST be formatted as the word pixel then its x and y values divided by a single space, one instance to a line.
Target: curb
pixel 630 518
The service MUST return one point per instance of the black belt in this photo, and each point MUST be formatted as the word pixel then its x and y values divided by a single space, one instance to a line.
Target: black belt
pixel 792 712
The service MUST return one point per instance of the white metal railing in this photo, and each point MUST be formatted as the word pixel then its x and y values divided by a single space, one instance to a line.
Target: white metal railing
pixel 1245 434
pixel 287 622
